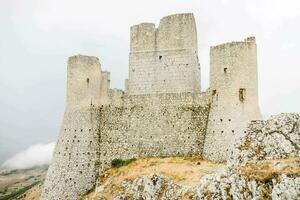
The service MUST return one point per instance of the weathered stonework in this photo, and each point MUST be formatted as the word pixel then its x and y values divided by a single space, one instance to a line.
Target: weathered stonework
pixel 75 163
pixel 164 60
pixel 233 82
pixel 161 112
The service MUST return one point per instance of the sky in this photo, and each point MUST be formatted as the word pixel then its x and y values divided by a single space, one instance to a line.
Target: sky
pixel 38 36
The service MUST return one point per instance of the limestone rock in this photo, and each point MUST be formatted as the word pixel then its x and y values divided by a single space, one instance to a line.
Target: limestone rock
pixel 275 138
pixel 155 187
pixel 288 188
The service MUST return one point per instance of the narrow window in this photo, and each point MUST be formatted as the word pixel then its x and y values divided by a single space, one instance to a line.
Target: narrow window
pixel 242 94
pixel 214 92
pixel 87 80
pixel 160 57
pixel 225 70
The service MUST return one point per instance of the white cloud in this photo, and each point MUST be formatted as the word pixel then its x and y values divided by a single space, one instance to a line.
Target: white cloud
pixel 35 155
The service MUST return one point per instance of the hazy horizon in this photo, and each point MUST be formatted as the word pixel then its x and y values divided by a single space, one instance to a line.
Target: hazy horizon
pixel 38 36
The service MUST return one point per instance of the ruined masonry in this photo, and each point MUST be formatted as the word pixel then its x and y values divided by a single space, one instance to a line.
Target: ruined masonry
pixel 162 111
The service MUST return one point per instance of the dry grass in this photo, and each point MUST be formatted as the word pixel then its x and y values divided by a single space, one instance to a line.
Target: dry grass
pixel 268 169
pixel 185 171
pixel 33 194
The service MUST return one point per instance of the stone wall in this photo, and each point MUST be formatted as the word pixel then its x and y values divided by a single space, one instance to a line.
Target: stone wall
pixel 164 60
pixel 75 164
pixel 233 83
pixel 176 127
pixel 91 137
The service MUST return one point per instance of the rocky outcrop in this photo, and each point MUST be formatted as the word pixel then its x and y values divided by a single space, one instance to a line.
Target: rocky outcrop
pixel 264 164
pixel 155 187
pixel 234 183
pixel 275 138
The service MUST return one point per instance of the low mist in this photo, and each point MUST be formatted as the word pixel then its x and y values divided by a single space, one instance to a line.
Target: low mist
pixel 35 155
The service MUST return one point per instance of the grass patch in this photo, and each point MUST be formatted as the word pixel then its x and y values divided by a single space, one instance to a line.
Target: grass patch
pixel 120 162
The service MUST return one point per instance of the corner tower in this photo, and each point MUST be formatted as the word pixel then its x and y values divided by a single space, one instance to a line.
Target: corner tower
pixel 75 163
pixel 164 59
pixel 233 84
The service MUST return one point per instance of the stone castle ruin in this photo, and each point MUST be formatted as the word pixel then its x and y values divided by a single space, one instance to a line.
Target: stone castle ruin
pixel 162 111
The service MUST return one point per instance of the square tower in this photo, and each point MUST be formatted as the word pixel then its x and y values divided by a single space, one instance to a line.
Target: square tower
pixel 164 59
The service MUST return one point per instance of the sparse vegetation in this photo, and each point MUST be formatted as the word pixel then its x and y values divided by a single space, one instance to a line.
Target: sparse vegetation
pixel 120 162
pixel 182 170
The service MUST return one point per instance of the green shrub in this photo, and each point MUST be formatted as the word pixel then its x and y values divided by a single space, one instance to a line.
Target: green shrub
pixel 120 162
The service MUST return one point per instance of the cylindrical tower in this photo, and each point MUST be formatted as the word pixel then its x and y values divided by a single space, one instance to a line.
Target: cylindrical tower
pixel 233 84
pixel 83 81
pixel 74 167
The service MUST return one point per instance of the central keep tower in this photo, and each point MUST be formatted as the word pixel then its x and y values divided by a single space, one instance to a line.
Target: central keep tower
pixel 164 59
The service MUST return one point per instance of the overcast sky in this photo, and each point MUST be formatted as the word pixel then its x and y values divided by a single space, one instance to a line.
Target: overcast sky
pixel 37 37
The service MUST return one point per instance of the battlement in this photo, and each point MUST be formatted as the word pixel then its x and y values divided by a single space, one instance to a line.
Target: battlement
pixel 247 43
pixel 82 59
pixel 179 16
pixel 174 32
pixel 250 39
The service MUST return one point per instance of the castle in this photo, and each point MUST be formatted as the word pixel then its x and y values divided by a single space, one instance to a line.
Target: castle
pixel 162 111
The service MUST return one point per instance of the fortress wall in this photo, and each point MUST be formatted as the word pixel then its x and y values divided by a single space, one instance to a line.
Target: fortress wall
pixel 116 97
pixel 169 99
pixel 233 81
pixel 83 81
pixel 120 98
pixel 105 86
pixel 75 164
pixel 173 65
pixel 147 131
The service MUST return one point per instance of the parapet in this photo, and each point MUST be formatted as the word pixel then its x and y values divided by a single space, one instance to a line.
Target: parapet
pixel 250 39
pixel 74 60
pixel 248 43
pixel 174 32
